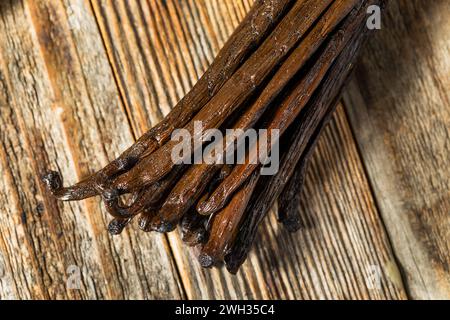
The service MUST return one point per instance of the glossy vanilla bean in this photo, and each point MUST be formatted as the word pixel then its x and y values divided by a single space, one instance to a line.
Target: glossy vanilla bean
pixel 289 109
pixel 270 187
pixel 193 228
pixel 290 197
pixel 192 181
pixel 235 91
pixel 224 225
pixel 143 200
pixel 184 196
pixel 257 25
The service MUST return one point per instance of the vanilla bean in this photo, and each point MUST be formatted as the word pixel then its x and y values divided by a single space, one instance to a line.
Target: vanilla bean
pixel 184 195
pixel 116 226
pixel 289 200
pixel 290 197
pixel 193 228
pixel 296 60
pixel 264 15
pixel 256 26
pixel 181 198
pixel 143 200
pixel 145 218
pixel 165 217
pixel 225 225
pixel 270 187
pixel 289 108
pixel 235 91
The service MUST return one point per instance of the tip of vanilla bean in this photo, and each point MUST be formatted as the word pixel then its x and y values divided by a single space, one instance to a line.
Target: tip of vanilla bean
pixel 292 224
pixel 116 227
pixel 195 238
pixel 163 227
pixel 52 180
pixel 232 266
pixel 206 261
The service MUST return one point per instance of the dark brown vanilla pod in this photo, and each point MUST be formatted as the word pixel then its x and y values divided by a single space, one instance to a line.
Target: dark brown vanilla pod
pixel 146 197
pixel 189 189
pixel 185 194
pixel 143 200
pixel 247 120
pixel 255 28
pixel 257 25
pixel 289 109
pixel 244 82
pixel 270 187
pixel 193 228
pixel 290 197
pixel 224 225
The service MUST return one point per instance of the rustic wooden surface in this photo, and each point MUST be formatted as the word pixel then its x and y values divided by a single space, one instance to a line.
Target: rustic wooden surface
pixel 80 80
pixel 399 107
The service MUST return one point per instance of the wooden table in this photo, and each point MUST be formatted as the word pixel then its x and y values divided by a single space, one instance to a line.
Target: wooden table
pixel 80 80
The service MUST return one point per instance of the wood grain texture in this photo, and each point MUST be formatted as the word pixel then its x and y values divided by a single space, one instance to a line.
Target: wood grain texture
pixel 400 113
pixel 181 38
pixel 61 108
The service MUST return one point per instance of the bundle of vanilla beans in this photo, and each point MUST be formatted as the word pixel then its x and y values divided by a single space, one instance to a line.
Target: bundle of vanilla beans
pixel 283 69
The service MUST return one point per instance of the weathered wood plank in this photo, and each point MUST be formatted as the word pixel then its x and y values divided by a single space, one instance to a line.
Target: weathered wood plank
pixel 61 108
pixel 343 240
pixel 400 112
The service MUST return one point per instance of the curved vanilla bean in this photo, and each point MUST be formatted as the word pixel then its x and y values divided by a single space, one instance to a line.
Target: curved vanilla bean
pixel 256 26
pixel 179 201
pixel 148 197
pixel 156 217
pixel 54 183
pixel 142 200
pixel 292 105
pixel 270 187
pixel 116 226
pixel 235 91
pixel 225 225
